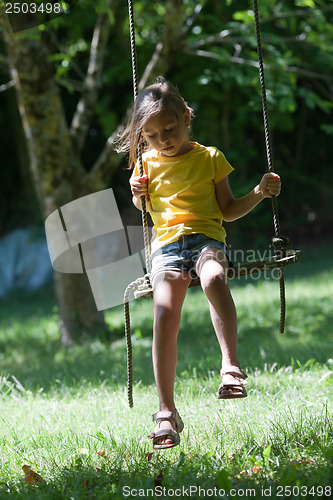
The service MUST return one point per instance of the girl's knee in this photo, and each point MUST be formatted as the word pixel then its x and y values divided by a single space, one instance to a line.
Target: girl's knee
pixel 213 277
pixel 166 319
pixel 212 267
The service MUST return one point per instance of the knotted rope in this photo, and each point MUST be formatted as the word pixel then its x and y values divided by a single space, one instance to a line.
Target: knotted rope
pixel 132 286
pixel 140 281
pixel 280 243
pixel 146 238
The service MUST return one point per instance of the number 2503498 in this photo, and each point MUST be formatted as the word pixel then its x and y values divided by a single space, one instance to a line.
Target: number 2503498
pixel 303 491
pixel 33 8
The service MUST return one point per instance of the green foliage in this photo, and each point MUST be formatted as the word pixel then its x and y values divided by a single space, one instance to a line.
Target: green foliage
pixel 214 65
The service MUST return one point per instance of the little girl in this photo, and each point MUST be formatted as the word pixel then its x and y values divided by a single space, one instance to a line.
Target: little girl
pixel 188 196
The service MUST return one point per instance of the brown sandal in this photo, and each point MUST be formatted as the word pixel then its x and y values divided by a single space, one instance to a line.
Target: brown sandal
pixel 233 383
pixel 167 433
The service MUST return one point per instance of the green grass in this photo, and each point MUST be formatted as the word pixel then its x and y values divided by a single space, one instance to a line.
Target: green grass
pixel 59 407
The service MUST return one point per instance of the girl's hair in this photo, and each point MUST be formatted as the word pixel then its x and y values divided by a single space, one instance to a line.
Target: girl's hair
pixel 159 96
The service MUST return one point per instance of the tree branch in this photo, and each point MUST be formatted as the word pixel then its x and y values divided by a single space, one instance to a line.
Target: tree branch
pixel 220 57
pixel 70 83
pixel 4 61
pixel 191 20
pixel 6 86
pixel 91 85
pixel 309 74
pixel 249 62
pixel 225 38
pixel 153 63
pixel 107 162
pixel 222 37
pixel 295 13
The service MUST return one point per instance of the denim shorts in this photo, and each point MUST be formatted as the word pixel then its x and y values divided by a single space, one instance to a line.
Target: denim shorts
pixel 183 254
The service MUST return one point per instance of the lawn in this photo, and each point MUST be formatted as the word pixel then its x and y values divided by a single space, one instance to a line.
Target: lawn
pixel 64 413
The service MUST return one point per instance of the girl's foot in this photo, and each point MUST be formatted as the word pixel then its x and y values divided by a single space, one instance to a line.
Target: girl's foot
pixel 169 425
pixel 233 383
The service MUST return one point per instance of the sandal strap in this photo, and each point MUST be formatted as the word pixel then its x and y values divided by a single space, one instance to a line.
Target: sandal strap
pixel 237 391
pixel 169 415
pixel 226 388
pixel 234 371
pixel 162 415
pixel 164 433
pixel 167 434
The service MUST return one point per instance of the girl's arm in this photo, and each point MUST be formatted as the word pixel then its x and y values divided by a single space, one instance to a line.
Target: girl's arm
pixel 235 208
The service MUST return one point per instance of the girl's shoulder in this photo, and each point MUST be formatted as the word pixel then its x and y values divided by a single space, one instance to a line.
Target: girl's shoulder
pixel 210 151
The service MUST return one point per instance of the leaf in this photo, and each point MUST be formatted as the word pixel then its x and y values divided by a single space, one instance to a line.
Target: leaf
pixel 306 3
pixel 328 129
pixel 267 454
pixel 138 333
pixel 100 436
pixel 287 103
pixel 31 476
pixel 245 16
pixel 158 479
pixel 223 480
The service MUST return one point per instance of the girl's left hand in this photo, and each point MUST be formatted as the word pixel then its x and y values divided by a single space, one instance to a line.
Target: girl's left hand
pixel 270 185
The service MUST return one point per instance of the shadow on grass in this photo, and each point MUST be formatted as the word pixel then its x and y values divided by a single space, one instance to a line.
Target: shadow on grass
pixel 31 351
pixel 30 348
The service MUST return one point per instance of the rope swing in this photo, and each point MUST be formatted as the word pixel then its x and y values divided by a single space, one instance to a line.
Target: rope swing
pixel 283 254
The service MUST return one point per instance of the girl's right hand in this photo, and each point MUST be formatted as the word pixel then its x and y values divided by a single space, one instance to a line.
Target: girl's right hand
pixel 139 186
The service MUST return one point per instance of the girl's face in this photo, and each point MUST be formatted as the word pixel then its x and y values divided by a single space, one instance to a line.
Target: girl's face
pixel 168 134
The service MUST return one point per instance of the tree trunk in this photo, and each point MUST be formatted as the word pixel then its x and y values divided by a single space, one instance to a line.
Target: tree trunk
pixel 54 147
pixel 57 172
pixel 76 308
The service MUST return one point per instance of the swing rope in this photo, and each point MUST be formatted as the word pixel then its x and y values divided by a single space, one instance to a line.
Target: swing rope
pixel 280 243
pixel 145 281
pixel 146 238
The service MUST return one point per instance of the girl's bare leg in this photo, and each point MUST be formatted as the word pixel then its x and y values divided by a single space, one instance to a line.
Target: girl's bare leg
pixel 169 293
pixel 212 267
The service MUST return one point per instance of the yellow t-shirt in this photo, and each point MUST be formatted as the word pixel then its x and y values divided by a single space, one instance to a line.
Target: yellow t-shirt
pixel 182 193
